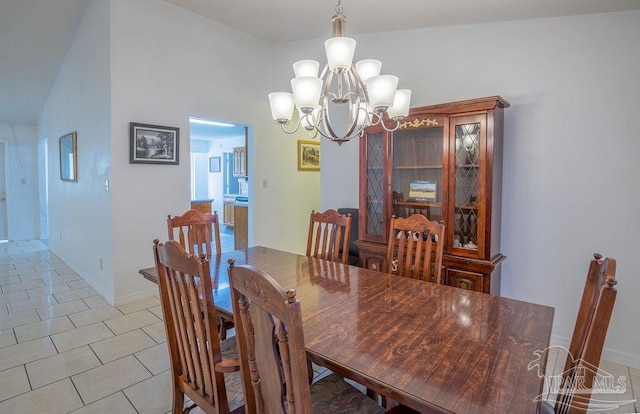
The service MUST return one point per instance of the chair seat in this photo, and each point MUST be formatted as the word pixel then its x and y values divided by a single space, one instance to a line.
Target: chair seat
pixel 233 380
pixel 332 394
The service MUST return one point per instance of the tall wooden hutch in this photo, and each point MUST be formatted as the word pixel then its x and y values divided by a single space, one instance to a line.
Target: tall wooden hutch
pixel 444 161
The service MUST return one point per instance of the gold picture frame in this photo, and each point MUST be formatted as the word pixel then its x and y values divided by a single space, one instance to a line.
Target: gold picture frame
pixel 308 155
pixel 69 157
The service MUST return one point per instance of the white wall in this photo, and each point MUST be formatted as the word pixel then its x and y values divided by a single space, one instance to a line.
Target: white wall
pixel 21 169
pixel 80 213
pixel 168 64
pixel 569 186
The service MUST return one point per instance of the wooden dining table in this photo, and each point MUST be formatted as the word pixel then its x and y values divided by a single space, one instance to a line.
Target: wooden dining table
pixel 430 347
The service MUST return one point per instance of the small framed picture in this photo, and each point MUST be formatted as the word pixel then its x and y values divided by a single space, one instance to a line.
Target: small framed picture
pixel 153 144
pixel 308 156
pixel 423 191
pixel 214 164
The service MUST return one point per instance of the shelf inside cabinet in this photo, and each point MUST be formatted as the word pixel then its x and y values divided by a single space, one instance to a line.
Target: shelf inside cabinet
pixel 417 167
pixel 417 203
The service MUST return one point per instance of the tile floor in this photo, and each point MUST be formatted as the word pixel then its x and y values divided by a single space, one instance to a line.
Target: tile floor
pixel 63 349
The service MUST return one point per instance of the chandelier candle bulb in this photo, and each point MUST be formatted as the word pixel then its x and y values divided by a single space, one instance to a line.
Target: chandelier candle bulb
pixel 306 67
pixel 281 106
pixel 382 91
pixel 400 107
pixel 306 92
pixel 340 52
pixel 368 68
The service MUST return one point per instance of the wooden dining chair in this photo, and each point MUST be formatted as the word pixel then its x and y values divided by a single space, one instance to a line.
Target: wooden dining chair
pixel 413 241
pixel 587 341
pixel 272 350
pixel 195 231
pixel 200 363
pixel 329 235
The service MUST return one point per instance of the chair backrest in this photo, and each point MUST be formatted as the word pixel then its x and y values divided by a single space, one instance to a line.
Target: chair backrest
pixel 587 341
pixel 190 322
pixel 193 230
pixel 329 234
pixel 270 337
pixel 412 243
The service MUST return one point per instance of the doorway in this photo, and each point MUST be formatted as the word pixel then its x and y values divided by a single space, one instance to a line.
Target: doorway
pixel 217 174
pixel 4 233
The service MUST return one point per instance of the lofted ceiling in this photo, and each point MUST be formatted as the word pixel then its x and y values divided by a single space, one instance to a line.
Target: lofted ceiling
pixel 36 34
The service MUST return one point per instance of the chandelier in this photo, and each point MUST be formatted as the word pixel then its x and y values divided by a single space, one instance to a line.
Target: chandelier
pixel 359 93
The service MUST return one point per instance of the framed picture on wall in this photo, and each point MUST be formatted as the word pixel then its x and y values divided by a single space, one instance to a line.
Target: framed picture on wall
pixel 214 164
pixel 153 144
pixel 308 156
pixel 69 157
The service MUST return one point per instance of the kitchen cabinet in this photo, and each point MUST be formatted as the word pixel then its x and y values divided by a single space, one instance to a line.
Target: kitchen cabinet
pixel 240 162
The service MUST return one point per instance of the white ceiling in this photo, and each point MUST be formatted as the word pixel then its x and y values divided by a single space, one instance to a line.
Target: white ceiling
pixel 35 34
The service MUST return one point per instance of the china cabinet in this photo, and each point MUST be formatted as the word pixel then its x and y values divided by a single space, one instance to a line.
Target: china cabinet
pixel 445 162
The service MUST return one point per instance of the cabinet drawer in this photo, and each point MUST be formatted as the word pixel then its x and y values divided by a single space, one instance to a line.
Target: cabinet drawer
pixel 372 261
pixel 465 280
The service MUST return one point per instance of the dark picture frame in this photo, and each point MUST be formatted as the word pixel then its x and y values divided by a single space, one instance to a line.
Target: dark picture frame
pixel 69 157
pixel 153 144
pixel 214 164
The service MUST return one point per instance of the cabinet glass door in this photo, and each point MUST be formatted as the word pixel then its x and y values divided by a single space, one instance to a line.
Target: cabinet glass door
pixel 468 205
pixel 418 187
pixel 376 182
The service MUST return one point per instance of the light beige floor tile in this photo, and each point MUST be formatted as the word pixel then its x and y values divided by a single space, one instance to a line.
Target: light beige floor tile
pixel 48 289
pixel 14 287
pixel 7 337
pixel 60 309
pixel 95 301
pixel 139 305
pixel 122 345
pixel 47 327
pixel 29 304
pixel 58 279
pixel 13 382
pixel 14 355
pixel 613 368
pixel 13 297
pixel 58 398
pixel 91 316
pixel 17 319
pixel 56 367
pixel 71 295
pixel 157 310
pixel 32 276
pixel 131 321
pixel 157 332
pixel 114 403
pixel 78 284
pixel 9 280
pixel 107 379
pixel 153 395
pixel 155 359
pixel 81 336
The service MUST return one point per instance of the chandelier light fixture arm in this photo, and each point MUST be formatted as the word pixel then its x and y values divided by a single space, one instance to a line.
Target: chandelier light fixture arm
pixel 365 96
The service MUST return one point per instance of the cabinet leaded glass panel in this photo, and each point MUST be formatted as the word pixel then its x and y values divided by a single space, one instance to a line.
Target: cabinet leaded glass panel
pixel 467 167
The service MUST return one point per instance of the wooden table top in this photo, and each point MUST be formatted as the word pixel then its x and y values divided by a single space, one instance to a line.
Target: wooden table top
pixel 424 345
